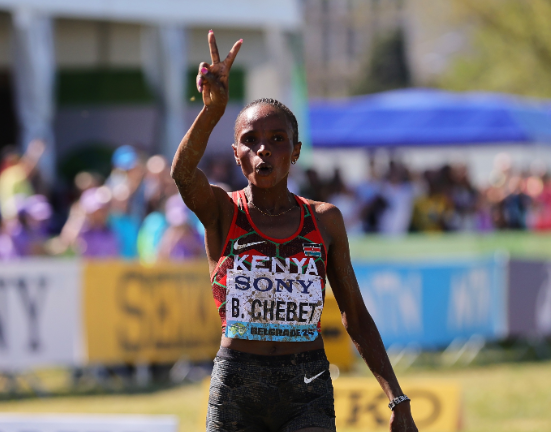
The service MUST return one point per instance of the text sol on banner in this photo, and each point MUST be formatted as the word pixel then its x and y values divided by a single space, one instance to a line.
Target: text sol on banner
pixel 149 314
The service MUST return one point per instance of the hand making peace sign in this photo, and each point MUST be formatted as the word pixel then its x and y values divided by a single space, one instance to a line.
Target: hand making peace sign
pixel 212 80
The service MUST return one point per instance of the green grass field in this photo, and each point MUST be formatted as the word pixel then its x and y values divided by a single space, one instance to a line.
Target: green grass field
pixel 511 397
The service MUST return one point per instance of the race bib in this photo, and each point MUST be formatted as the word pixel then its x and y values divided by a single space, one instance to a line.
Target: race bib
pixel 273 306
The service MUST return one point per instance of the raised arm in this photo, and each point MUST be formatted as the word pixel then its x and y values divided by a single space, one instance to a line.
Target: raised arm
pixel 356 319
pixel 32 156
pixel 212 82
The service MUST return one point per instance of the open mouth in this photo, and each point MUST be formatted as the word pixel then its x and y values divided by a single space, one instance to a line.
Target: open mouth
pixel 263 168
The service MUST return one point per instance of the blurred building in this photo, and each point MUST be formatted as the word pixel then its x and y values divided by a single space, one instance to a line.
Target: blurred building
pixel 340 38
pixel 95 74
pixel 436 34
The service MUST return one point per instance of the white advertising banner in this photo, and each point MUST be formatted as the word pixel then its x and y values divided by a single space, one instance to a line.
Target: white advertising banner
pixel 87 423
pixel 40 314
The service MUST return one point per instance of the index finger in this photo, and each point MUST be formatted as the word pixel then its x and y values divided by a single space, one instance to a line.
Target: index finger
pixel 233 53
pixel 213 48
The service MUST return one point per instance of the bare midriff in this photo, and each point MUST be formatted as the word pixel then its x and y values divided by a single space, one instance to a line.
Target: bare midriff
pixel 271 348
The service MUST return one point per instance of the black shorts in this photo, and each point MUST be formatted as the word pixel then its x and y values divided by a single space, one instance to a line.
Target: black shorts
pixel 256 393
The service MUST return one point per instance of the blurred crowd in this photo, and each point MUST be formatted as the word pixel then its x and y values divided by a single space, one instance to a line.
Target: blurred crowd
pixel 397 200
pixel 137 213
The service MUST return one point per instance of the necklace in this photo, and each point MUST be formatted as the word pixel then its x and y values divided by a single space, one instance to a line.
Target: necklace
pixel 250 201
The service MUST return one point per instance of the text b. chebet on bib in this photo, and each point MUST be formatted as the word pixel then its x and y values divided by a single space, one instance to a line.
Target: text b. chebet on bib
pixel 270 289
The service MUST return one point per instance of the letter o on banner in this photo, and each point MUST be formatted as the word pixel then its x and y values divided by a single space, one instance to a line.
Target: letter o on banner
pixel 268 285
pixel 434 407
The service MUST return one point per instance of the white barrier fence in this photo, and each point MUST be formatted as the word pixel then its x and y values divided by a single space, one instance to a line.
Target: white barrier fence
pixel 87 423
pixel 40 314
pixel 73 312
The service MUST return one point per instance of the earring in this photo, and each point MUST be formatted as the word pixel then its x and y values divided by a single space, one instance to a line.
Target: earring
pixel 294 161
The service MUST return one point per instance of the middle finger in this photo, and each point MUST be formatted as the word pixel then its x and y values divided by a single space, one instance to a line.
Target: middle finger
pixel 213 48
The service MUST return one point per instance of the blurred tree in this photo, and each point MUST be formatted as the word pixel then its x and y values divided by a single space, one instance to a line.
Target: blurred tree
pixel 387 67
pixel 511 48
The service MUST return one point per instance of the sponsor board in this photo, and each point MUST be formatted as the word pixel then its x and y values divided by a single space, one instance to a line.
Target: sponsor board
pixel 431 304
pixel 152 314
pixel 87 423
pixel 337 343
pixel 360 404
pixel 40 314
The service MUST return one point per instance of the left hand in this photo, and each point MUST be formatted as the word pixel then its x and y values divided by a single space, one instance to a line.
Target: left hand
pixel 401 419
pixel 212 80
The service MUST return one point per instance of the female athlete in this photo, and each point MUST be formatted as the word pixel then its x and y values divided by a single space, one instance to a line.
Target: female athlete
pixel 269 252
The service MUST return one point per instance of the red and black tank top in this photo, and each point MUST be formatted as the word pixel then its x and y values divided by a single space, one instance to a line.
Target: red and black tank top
pixel 270 289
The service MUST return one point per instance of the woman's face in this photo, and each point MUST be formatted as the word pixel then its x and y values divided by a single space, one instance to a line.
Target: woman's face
pixel 264 145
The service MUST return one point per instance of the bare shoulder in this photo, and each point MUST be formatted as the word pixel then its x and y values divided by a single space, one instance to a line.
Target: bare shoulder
pixel 328 217
pixel 324 211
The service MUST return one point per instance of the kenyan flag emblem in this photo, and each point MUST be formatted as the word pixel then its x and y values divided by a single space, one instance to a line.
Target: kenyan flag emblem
pixel 312 249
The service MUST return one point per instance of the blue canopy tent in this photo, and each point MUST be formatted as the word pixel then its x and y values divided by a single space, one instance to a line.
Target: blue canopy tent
pixel 426 117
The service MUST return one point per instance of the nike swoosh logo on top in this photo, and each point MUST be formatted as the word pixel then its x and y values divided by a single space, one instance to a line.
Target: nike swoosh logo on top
pixel 309 380
pixel 237 246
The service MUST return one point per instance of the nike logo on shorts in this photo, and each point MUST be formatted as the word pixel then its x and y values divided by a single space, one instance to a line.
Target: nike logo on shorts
pixel 309 380
pixel 237 246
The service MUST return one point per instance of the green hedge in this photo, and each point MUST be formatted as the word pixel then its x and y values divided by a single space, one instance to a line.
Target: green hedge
pixel 126 86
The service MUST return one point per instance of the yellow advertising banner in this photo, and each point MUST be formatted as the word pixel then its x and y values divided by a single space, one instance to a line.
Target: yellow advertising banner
pixel 361 405
pixel 338 346
pixel 156 314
